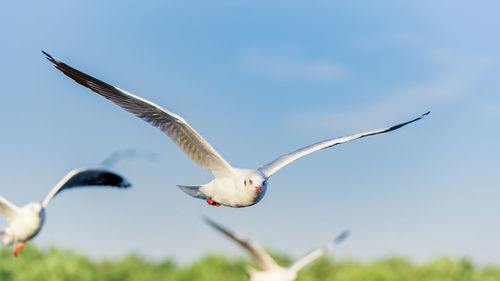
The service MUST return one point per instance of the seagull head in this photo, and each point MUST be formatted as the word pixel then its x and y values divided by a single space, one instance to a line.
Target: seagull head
pixel 36 208
pixel 255 182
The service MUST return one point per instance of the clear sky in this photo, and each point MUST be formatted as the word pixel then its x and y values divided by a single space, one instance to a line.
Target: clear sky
pixel 259 79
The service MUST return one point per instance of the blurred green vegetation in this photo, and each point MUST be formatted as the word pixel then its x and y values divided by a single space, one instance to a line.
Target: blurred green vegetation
pixel 56 265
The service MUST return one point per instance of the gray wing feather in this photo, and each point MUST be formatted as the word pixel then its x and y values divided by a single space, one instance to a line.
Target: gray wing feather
pixel 86 177
pixel 286 159
pixel 189 140
pixel 261 257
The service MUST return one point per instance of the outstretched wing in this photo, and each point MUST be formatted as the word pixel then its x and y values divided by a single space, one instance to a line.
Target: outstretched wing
pixel 187 138
pixel 261 257
pixel 8 209
pixel 313 255
pixel 86 177
pixel 286 159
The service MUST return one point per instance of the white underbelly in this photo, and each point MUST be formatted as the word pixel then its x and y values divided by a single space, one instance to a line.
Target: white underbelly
pixel 225 192
pixel 23 229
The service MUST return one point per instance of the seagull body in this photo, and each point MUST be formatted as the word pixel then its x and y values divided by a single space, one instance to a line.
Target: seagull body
pixel 275 274
pixel 244 188
pixel 271 271
pixel 232 186
pixel 25 222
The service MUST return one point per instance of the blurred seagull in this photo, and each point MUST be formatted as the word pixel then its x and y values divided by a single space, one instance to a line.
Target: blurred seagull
pixel 271 271
pixel 232 186
pixel 25 222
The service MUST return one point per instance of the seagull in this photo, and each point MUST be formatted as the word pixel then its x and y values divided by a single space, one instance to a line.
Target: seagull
pixel 25 222
pixel 271 271
pixel 232 186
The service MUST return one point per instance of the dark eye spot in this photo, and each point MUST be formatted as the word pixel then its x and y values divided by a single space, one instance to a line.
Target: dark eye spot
pixel 250 181
pixel 245 182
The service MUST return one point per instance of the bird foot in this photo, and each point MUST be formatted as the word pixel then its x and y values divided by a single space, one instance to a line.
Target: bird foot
pixel 210 201
pixel 18 248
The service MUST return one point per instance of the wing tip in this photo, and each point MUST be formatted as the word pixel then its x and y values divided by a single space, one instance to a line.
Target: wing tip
pixel 210 221
pixel 124 183
pixel 206 219
pixel 342 236
pixel 119 180
pixel 49 57
pixel 113 178
pixel 218 226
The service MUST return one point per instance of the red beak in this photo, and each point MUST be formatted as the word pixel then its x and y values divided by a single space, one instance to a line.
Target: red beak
pixel 258 188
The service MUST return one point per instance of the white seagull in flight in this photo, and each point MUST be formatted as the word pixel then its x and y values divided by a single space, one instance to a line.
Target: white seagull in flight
pixel 271 271
pixel 232 186
pixel 25 222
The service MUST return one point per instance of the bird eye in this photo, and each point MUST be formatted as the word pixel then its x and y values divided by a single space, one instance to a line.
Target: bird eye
pixel 250 181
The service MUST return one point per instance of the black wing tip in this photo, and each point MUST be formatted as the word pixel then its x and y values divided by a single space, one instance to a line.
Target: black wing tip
pixel 120 181
pixel 421 116
pixel 49 57
pixel 124 183
pixel 342 236
pixel 107 177
pixel 215 225
pixel 209 220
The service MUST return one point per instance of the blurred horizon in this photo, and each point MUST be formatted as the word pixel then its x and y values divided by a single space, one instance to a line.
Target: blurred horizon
pixel 66 265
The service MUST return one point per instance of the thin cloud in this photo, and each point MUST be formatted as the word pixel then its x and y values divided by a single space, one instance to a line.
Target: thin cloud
pixel 406 38
pixel 282 66
pixel 456 76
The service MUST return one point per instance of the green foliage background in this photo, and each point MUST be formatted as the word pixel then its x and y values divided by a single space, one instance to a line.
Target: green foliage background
pixel 56 265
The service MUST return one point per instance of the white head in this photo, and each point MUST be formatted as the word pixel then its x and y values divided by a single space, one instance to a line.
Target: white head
pixel 35 208
pixel 255 182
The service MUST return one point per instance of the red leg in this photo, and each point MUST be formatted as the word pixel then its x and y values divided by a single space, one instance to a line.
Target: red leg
pixel 212 202
pixel 17 248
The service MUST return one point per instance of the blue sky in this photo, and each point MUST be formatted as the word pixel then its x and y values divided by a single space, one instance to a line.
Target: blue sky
pixel 258 80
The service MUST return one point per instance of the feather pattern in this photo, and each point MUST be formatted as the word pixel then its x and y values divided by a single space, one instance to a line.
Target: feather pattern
pixel 83 178
pixel 174 126
pixel 271 168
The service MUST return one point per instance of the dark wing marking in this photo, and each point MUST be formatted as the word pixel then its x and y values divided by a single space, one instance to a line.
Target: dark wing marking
pixel 187 138
pixel 86 177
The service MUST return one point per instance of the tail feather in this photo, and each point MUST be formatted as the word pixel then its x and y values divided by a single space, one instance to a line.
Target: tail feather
pixel 193 191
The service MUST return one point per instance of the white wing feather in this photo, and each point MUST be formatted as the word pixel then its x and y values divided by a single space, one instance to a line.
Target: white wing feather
pixel 8 209
pixel 286 159
pixel 187 138
pixel 313 255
